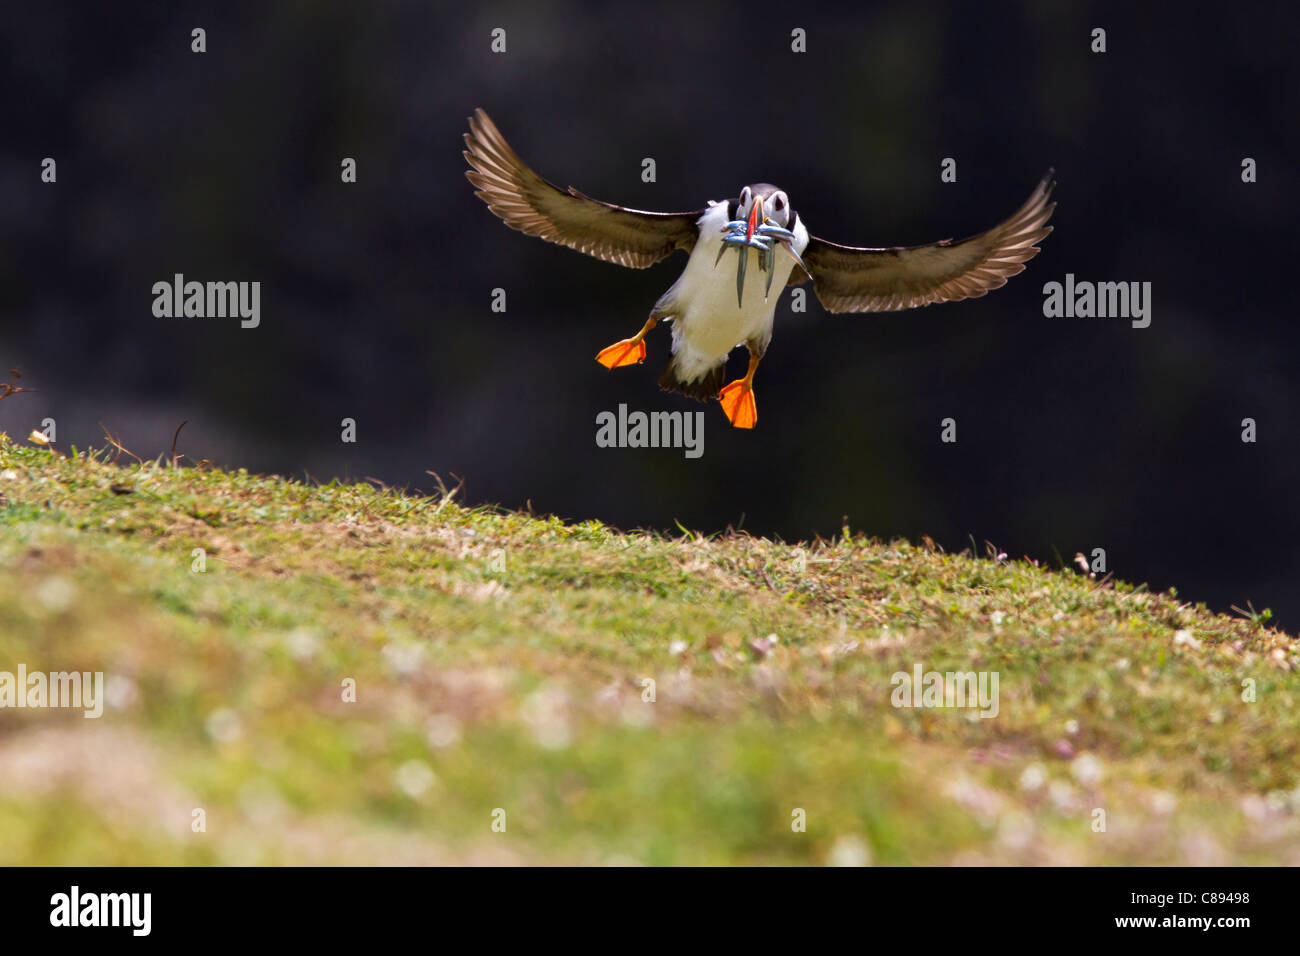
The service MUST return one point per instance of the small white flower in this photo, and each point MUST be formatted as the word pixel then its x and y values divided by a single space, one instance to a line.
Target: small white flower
pixel 1015 830
pixel 442 730
pixel 545 711
pixel 303 644
pixel 261 801
pixel 120 692
pixel 1062 795
pixel 223 726
pixel 404 659
pixel 1086 769
pixel 414 778
pixel 56 594
pixel 1163 803
pixel 1033 777
pixel 849 851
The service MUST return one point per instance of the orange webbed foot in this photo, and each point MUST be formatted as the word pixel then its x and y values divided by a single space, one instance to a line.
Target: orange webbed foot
pixel 738 404
pixel 626 352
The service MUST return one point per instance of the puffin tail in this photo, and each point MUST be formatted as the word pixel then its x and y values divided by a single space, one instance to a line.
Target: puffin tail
pixel 702 386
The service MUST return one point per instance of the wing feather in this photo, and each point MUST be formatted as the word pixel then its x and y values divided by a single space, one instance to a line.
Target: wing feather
pixel 527 202
pixel 854 279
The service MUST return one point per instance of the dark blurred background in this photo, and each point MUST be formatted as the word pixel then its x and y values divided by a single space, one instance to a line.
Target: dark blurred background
pixel 1073 433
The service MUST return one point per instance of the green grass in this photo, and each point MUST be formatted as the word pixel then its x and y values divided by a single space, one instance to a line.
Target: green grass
pixel 499 662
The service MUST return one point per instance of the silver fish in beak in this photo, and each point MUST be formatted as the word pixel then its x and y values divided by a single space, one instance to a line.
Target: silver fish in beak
pixel 743 235
pixel 757 233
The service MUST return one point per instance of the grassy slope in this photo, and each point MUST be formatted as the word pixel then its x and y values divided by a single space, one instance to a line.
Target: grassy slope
pixel 521 689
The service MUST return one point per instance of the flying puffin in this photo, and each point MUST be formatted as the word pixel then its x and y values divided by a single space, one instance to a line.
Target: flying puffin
pixel 711 310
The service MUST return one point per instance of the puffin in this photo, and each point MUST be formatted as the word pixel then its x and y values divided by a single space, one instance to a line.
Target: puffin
pixel 714 310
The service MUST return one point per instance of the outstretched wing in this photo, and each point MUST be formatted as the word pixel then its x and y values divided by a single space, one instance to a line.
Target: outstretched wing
pixel 851 279
pixel 527 202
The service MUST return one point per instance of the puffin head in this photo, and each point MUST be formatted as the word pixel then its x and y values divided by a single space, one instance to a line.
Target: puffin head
pixel 761 202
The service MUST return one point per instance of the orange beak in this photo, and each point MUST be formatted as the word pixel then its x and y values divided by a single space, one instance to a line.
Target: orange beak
pixel 754 220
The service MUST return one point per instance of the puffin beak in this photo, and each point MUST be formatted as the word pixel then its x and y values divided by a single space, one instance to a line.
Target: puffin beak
pixel 755 217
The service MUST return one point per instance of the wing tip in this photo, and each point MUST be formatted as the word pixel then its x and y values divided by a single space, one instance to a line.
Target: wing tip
pixel 1047 183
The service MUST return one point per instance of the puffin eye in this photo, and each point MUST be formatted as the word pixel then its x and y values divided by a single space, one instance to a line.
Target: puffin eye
pixel 779 202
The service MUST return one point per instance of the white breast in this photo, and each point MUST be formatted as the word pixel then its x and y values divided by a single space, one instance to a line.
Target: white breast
pixel 707 322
